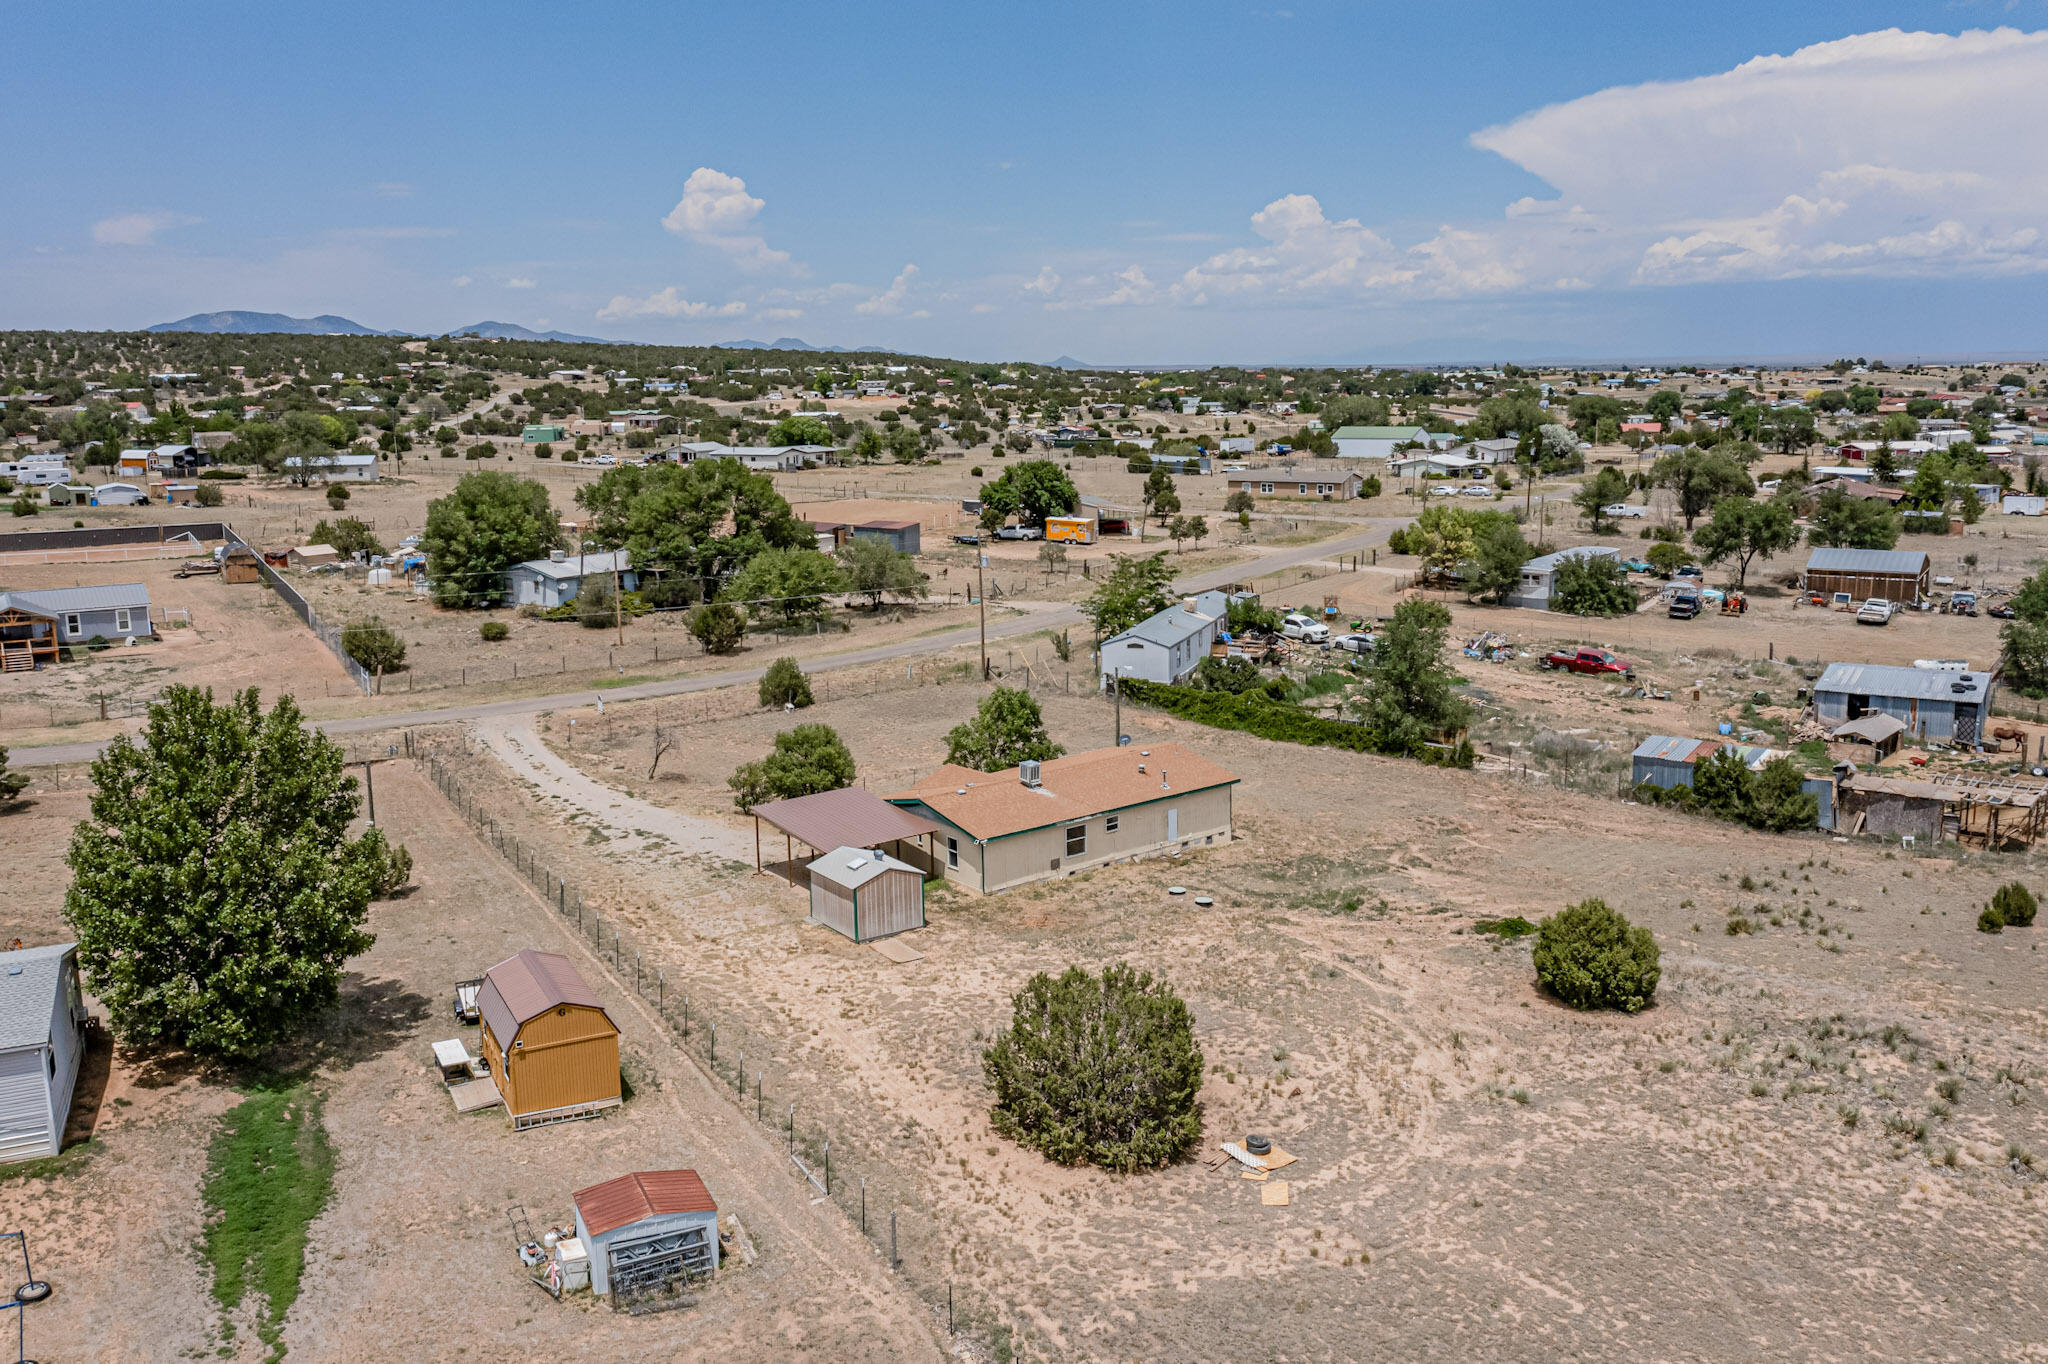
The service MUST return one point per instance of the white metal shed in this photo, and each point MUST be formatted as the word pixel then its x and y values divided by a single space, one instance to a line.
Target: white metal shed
pixel 42 1014
pixel 866 894
pixel 643 1230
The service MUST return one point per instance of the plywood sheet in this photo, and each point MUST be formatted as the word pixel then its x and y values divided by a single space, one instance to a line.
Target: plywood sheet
pixel 1273 1193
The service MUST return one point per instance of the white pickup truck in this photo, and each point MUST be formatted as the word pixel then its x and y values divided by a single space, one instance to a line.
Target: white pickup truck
pixel 1297 626
pixel 1624 511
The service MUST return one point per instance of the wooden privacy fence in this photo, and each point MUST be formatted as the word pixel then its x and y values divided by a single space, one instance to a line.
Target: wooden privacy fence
pixel 709 1032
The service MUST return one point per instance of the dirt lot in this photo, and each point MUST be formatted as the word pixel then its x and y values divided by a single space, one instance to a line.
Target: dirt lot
pixel 420 1194
pixel 1477 1163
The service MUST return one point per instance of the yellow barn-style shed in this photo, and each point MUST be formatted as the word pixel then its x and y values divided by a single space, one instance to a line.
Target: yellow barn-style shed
pixel 551 1046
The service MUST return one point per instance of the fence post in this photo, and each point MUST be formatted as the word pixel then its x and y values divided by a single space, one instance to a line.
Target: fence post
pixel 895 1261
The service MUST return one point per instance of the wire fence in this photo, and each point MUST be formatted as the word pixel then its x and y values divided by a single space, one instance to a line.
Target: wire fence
pixel 752 1066
pixel 329 635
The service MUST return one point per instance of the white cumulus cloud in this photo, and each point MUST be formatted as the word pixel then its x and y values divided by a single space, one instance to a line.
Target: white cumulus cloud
pixel 890 301
pixel 522 282
pixel 716 211
pixel 668 302
pixel 137 229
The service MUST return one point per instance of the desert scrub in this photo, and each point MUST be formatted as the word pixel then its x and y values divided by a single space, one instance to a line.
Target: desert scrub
pixel 493 631
pixel 1098 1069
pixel 269 1172
pixel 2015 905
pixel 1592 957
pixel 1989 920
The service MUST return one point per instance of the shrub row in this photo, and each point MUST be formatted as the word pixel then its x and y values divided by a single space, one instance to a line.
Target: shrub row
pixel 1254 713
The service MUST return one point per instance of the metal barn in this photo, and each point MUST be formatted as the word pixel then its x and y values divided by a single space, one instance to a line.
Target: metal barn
pixel 1896 575
pixel 552 1048
pixel 645 1230
pixel 866 894
pixel 1932 703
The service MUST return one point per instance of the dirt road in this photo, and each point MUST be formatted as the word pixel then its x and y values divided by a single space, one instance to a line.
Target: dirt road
pixel 1050 618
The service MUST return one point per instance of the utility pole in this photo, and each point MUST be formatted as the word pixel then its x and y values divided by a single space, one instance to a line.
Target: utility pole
pixel 618 604
pixel 1116 683
pixel 981 593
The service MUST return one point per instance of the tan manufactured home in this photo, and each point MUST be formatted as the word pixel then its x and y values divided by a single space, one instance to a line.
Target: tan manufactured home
pixel 1040 820
pixel 551 1047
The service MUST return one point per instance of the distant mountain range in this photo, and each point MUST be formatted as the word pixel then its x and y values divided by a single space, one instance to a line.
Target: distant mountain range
pixel 324 325
pixel 327 324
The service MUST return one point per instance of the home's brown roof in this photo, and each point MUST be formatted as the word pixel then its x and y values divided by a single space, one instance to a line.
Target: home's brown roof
pixel 629 1198
pixel 526 985
pixel 993 805
pixel 849 818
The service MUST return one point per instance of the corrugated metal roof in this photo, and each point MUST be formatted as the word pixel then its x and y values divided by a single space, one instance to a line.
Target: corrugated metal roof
pixel 1670 748
pixel 1548 562
pixel 1874 728
pixel 579 565
pixel 1176 624
pixel 55 600
pixel 631 1198
pixel 838 866
pixel 1908 563
pixel 29 980
pixel 1923 684
pixel 848 818
pixel 526 985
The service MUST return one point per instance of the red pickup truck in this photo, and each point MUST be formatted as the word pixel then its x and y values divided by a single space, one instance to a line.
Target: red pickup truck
pixel 1589 661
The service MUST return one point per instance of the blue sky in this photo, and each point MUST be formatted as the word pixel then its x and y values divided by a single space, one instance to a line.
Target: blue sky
pixel 1122 183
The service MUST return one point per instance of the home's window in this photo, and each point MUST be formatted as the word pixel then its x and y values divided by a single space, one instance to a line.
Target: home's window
pixel 1265 487
pixel 71 626
pixel 1110 825
pixel 1135 644
pixel 952 852
pixel 122 620
pixel 1301 487
pixel 1077 839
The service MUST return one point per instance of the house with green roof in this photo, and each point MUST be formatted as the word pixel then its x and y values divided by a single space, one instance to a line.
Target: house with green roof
pixel 1374 442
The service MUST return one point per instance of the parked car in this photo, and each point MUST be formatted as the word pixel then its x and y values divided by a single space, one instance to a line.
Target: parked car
pixel 2002 611
pixel 1013 533
pixel 967 539
pixel 1305 628
pixel 1876 611
pixel 1478 490
pixel 1355 643
pixel 1596 661
pixel 1638 566
pixel 1443 490
pixel 1624 511
pixel 602 461
pixel 1684 605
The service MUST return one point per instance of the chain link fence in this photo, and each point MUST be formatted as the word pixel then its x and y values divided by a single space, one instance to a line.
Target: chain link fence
pixel 879 1200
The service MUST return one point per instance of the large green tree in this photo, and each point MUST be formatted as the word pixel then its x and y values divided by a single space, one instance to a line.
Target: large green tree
pixel 1032 491
pixel 1413 699
pixel 216 891
pixel 790 583
pixel 1742 529
pixel 1701 478
pixel 804 761
pixel 1103 1070
pixel 1604 489
pixel 799 430
pixel 490 522
pixel 875 566
pixel 1136 586
pixel 1009 728
pixel 1839 518
pixel 1592 585
pixel 1498 553
pixel 705 519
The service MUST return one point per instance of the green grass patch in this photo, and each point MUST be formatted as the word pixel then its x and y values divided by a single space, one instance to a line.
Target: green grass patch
pixel 629 680
pixel 269 1172
pixel 1513 927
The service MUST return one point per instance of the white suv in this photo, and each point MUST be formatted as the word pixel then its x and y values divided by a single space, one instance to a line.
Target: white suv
pixel 1297 626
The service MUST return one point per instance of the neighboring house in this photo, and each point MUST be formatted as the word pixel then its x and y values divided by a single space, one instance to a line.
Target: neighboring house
pixel 1447 465
pixel 1166 646
pixel 118 495
pixel 761 458
pixel 42 1038
pixel 1293 480
pixel 643 1230
pixel 1859 488
pixel 1667 762
pixel 551 1047
pixel 1374 442
pixel 212 442
pixel 1933 704
pixel 337 468
pixel 542 433
pixel 311 556
pixel 1500 450
pixel 1897 575
pixel 1539 575
pixel 72 615
pixel 555 580
pixel 1038 820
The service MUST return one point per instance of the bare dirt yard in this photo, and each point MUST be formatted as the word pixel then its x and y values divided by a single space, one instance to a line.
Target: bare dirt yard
pixel 420 1194
pixel 1835 1099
